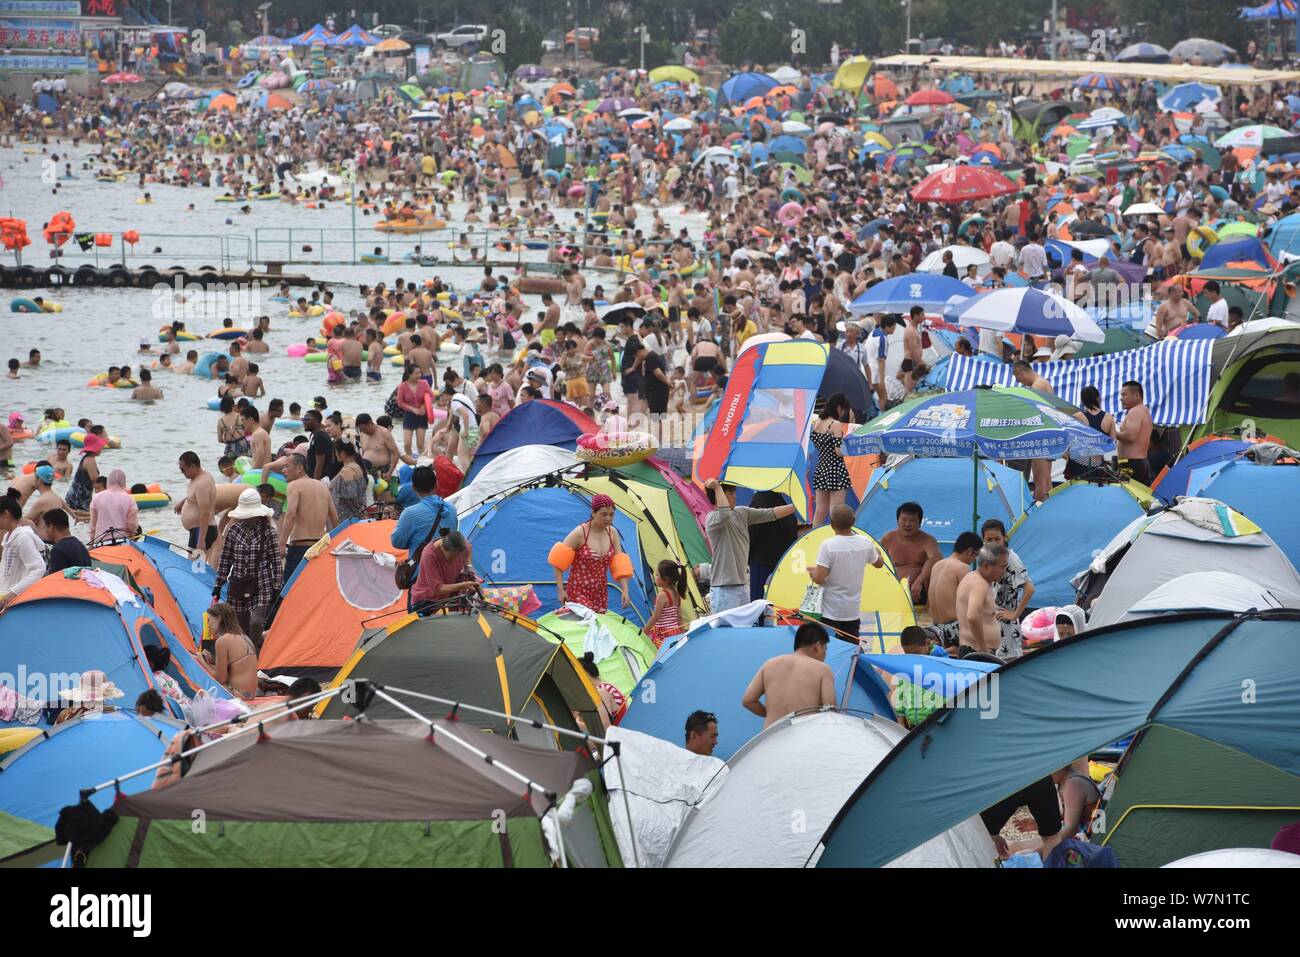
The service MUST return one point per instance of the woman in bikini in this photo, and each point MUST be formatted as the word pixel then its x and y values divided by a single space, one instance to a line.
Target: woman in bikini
pixel 587 553
pixel 234 661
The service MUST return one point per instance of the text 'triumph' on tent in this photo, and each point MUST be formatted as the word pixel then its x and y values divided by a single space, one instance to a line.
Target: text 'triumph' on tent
pixel 1225 680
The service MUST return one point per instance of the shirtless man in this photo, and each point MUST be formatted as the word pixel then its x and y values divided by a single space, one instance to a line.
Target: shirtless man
pixel 1134 432
pixel 257 345
pixel 1174 312
pixel 253 387
pixel 945 577
pixel 913 351
pixel 198 506
pixel 976 614
pixel 374 355
pixel 912 551
pixel 794 682
pixel 378 447
pixel 352 350
pixel 64 467
pixel 274 410
pixel 259 440
pixel 1026 376
pixel 238 364
pixel 146 389
pixel 1040 469
pixel 421 357
pixel 309 513
pixel 186 367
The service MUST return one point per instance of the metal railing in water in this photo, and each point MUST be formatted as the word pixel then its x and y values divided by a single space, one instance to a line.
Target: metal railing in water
pixel 530 250
pixel 225 252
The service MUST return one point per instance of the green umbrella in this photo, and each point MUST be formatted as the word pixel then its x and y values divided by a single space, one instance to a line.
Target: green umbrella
pixel 412 92
pixel 801 175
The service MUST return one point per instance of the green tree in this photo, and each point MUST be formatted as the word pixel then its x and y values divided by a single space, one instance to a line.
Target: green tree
pixel 753 34
pixel 520 40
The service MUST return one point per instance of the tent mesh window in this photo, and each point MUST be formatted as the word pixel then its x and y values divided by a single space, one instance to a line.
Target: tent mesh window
pixel 1266 386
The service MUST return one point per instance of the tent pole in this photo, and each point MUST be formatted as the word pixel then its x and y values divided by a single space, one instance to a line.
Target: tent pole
pixel 497 714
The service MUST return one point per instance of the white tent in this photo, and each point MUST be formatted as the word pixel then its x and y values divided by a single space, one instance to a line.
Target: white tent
pixel 784 788
pixel 1238 857
pixel 660 782
pixel 1210 591
pixel 786 74
pixel 1195 534
pixel 509 469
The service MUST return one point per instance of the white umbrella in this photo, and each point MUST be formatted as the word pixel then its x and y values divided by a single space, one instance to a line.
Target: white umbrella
pixel 786 74
pixel 1024 309
pixel 963 256
pixel 679 125
pixel 632 111
pixel 1144 209
pixel 795 127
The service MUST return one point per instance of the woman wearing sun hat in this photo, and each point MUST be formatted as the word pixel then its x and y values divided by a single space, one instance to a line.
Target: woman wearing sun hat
pixel 82 488
pixel 587 554
pixel 250 563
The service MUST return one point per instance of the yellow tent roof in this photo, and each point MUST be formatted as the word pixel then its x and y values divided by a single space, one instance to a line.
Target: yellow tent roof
pixel 886 602
pixel 852 73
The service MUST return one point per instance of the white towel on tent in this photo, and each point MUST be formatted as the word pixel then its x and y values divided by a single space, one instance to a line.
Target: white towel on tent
pixel 598 640
pixel 122 595
pixel 743 617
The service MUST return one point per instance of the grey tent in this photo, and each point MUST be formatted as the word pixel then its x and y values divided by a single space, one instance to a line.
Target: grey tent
pixel 1192 536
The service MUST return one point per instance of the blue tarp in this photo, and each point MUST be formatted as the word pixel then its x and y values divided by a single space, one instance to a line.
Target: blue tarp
pixel 512 538
pixel 540 422
pixel 1059 537
pixel 1186 672
pixel 945 489
pixel 710 670
pixel 1177 479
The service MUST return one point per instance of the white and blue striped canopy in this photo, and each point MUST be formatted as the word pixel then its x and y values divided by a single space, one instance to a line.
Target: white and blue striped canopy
pixel 1176 378
pixel 1024 309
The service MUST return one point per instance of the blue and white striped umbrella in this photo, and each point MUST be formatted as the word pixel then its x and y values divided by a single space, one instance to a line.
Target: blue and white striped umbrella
pixel 901 293
pixel 1184 96
pixel 1025 310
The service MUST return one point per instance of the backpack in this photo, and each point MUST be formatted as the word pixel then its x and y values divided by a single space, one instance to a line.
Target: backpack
pixel 405 574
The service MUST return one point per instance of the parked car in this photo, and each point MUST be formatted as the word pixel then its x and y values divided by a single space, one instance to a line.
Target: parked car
pixel 552 42
pixel 468 35
pixel 387 30
pixel 586 37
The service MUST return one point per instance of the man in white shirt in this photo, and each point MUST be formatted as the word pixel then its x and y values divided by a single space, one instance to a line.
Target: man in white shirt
pixel 1002 253
pixel 1218 311
pixel 1033 261
pixel 842 560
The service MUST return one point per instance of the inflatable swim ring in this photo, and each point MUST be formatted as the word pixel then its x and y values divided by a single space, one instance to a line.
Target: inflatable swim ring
pixel 295 424
pixel 372 258
pixel 792 195
pixel 790 215
pixel 23 304
pixel 613 449
pixel 1199 239
pixel 228 334
pixel 101 381
pixel 297 350
pixel 217 141
pixel 182 336
pixel 154 498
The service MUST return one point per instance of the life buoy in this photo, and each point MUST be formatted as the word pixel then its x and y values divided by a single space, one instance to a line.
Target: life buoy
pixel 613 449
pixel 217 141
pixel 181 336
pixel 1199 239
pixel 228 334
pixel 155 497
pixel 790 215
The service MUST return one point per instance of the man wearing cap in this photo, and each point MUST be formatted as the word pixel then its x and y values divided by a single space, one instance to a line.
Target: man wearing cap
pixel 40 480
pixel 539 377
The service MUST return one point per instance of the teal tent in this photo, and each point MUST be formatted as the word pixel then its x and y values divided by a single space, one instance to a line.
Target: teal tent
pixel 1187 673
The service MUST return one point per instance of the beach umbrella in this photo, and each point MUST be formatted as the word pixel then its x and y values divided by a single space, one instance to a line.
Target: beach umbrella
pixel 801 175
pixel 223 101
pixel 1185 96
pixel 120 79
pixel 317 86
pixel 959 184
pixel 392 45
pixel 425 116
pixel 1143 53
pixel 901 293
pixel 930 98
pixel 1025 310
pixel 678 125
pixel 614 104
pixel 679 74
pixel 989 422
pixel 354 36
pixel 1098 81
pixel 1210 52
pixel 1253 135
pixel 411 92
pixel 317 34
pixel 796 128
pixel 248 79
pixel 530 71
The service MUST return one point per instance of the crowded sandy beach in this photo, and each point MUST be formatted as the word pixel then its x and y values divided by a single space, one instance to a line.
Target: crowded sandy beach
pixel 459 448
